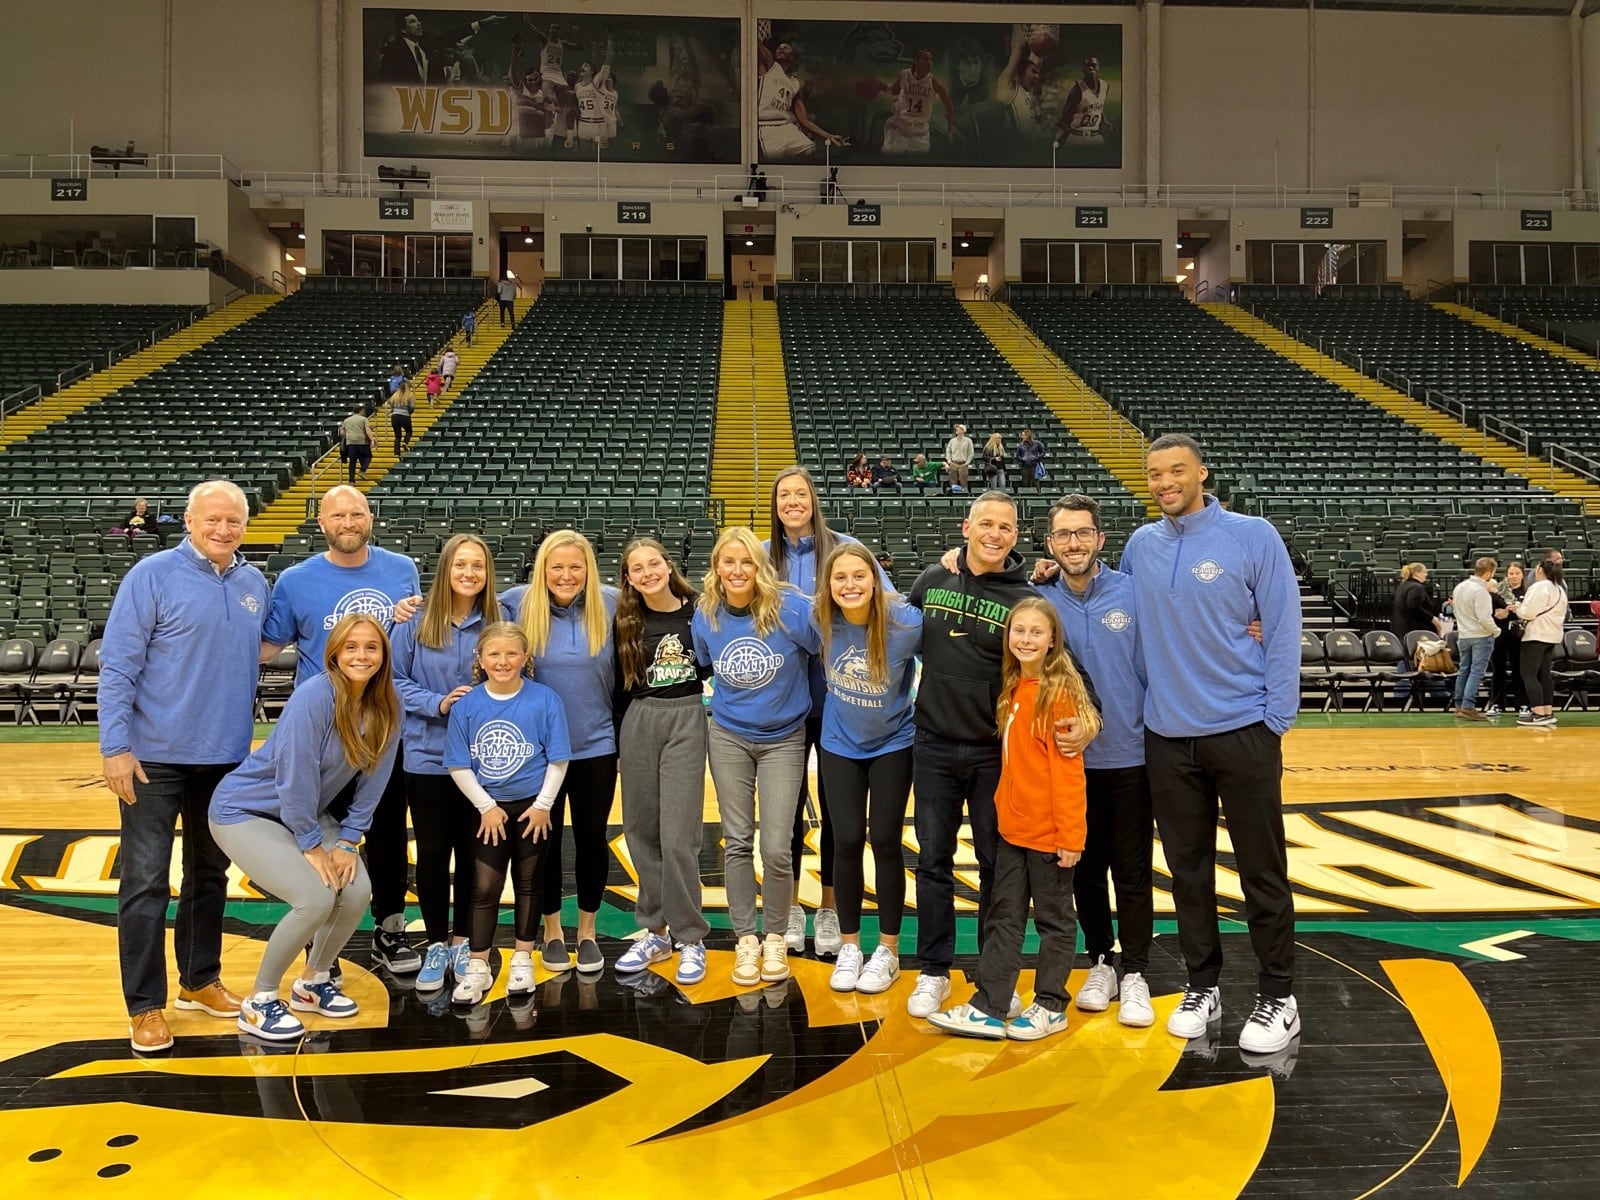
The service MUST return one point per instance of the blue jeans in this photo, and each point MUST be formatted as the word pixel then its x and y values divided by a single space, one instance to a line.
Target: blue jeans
pixel 947 776
pixel 1476 654
pixel 175 791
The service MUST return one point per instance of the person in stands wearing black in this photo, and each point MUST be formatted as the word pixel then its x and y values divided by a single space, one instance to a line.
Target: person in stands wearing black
pixel 1506 692
pixel 1415 608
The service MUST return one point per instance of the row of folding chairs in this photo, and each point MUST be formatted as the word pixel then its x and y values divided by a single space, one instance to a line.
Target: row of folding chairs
pixel 61 679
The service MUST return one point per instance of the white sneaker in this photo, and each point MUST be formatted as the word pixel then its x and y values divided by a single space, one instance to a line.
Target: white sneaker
pixel 747 961
pixel 882 969
pixel 1015 1010
pixel 520 978
pixel 1198 1009
pixel 471 987
pixel 1100 989
pixel 1135 1009
pixel 1036 1023
pixel 847 971
pixel 774 959
pixel 931 992
pixel 827 938
pixel 794 936
pixel 1271 1025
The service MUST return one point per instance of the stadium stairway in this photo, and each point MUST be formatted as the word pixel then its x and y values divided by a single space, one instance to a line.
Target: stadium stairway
pixel 754 437
pixel 1496 325
pixel 1104 432
pixel 285 514
pixel 1538 471
pixel 101 384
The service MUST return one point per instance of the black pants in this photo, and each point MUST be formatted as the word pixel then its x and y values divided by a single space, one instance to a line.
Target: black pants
pixel 507 311
pixel 1536 660
pixel 1021 875
pixel 591 783
pixel 1120 840
pixel 401 423
pixel 868 797
pixel 446 826
pixel 950 777
pixel 1242 768
pixel 1505 681
pixel 797 847
pixel 388 861
pixel 522 855
pixel 357 457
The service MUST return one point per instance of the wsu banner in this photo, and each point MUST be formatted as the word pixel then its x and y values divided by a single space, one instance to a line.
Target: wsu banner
pixel 908 93
pixel 550 86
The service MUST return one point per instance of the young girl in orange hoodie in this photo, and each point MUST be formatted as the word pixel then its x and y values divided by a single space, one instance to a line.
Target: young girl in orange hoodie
pixel 1040 808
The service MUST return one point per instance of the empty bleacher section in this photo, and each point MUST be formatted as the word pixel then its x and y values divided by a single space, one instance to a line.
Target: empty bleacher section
pixel 257 404
pixel 1569 316
pixel 40 343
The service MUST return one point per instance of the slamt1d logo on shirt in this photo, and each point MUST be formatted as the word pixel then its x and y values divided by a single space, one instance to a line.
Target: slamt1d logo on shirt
pixel 366 602
pixel 1207 570
pixel 749 663
pixel 252 604
pixel 850 673
pixel 500 750
pixel 1117 621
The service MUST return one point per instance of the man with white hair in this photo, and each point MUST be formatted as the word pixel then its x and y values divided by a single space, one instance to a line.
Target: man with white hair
pixel 177 703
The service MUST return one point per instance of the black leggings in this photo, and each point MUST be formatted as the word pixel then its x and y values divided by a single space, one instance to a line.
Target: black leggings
pixel 592 785
pixel 869 794
pixel 1536 659
pixel 489 880
pixel 797 847
pixel 446 826
pixel 1506 688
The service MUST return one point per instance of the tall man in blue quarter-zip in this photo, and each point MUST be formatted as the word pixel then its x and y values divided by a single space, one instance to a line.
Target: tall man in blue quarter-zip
pixel 1216 709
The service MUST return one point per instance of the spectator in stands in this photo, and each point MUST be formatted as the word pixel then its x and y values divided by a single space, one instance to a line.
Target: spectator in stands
pixel 403 404
pixel 858 474
pixel 397 380
pixel 309 599
pixel 884 475
pixel 1216 708
pixel 1544 618
pixel 566 612
pixel 141 521
pixel 435 386
pixel 1414 609
pixel 994 463
pixel 1506 693
pixel 1473 602
pixel 355 442
pixel 506 293
pixel 958 453
pixel 448 362
pixel 177 698
pixel 1030 460
pixel 469 325
pixel 924 474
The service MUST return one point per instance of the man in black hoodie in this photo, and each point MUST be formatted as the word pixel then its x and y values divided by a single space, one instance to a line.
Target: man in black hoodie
pixel 957 759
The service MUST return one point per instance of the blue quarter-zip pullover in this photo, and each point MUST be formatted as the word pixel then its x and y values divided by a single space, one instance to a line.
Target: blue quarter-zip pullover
pixel 1101 630
pixel 762 693
pixel 586 683
pixel 424 677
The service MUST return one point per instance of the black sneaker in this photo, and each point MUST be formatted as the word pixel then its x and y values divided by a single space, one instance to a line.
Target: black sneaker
pixel 391 950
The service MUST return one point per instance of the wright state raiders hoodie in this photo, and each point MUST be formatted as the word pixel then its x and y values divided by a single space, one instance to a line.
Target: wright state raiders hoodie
pixel 963 635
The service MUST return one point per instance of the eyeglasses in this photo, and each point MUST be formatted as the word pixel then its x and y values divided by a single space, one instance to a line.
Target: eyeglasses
pixel 1083 537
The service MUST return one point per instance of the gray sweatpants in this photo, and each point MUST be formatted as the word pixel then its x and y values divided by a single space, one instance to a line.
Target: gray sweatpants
pixel 266 852
pixel 741 770
pixel 662 760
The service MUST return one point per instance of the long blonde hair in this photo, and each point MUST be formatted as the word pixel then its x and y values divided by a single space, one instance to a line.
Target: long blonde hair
pixel 536 600
pixel 438 610
pixel 367 719
pixel 1409 571
pixel 1059 679
pixel 767 603
pixel 827 613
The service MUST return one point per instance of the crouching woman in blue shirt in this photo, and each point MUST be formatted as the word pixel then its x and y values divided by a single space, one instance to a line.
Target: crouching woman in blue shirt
pixel 270 816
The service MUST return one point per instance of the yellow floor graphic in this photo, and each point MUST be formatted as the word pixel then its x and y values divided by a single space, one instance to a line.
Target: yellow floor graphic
pixel 754 437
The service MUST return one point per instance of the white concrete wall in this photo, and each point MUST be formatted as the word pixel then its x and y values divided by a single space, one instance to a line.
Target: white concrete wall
pixel 106 287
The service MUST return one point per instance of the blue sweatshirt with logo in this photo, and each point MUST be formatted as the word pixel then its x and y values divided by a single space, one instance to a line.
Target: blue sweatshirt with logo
pixel 424 677
pixel 508 741
pixel 863 718
pixel 585 683
pixel 800 567
pixel 762 691
pixel 1198 582
pixel 1102 632
pixel 299 770
pixel 311 597
pixel 178 663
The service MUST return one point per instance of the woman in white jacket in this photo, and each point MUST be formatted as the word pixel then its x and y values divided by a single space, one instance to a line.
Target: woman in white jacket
pixel 1544 613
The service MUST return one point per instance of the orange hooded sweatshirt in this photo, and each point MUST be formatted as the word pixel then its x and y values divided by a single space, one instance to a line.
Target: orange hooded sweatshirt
pixel 1041 801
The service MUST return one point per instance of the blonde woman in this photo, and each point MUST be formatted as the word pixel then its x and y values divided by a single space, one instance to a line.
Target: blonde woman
pixel 567 612
pixel 757 635
pixel 994 462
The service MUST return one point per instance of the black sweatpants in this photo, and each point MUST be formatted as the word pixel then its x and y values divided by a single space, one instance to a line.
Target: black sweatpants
pixel 1021 875
pixel 385 850
pixel 522 855
pixel 1536 680
pixel 868 798
pixel 1243 769
pixel 591 784
pixel 1120 841
pixel 446 828
pixel 797 847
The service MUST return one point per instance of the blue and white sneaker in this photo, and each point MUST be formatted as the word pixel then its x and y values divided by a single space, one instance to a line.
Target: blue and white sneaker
pixel 651 948
pixel 692 963
pixel 435 966
pixel 460 960
pixel 324 998
pixel 966 1021
pixel 269 1020
pixel 1035 1022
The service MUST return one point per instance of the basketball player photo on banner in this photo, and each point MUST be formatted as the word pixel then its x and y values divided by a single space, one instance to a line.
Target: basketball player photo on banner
pixel 550 86
pixel 909 93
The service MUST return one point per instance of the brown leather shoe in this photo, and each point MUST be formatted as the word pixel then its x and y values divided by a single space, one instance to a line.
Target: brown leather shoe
pixel 148 1032
pixel 214 1000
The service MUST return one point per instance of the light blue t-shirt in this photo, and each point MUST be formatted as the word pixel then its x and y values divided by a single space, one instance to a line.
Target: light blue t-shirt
pixel 762 693
pixel 508 742
pixel 311 597
pixel 861 718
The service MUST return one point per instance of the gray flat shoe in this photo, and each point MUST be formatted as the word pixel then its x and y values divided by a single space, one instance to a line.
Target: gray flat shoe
pixel 589 956
pixel 554 957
